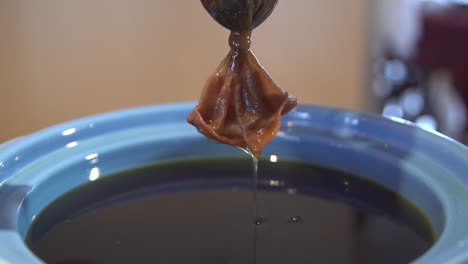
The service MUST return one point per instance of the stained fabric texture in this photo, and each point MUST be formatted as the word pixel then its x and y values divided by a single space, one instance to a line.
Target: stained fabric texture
pixel 240 104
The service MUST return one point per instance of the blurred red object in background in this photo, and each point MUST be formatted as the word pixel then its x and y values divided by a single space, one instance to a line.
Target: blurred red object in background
pixel 443 44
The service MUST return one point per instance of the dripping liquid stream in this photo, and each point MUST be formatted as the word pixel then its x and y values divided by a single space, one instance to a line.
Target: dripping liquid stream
pixel 257 220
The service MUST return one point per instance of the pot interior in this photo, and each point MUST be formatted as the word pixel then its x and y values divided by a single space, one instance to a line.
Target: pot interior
pixel 206 210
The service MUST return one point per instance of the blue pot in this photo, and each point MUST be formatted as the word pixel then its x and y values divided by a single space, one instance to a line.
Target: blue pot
pixel 425 167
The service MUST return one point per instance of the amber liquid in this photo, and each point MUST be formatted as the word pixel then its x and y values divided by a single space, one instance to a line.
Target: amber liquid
pixel 200 211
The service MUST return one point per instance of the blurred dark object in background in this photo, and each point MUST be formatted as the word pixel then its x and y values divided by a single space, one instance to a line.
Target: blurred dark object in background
pixel 429 86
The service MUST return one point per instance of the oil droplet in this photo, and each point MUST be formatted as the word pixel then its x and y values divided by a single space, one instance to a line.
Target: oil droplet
pixel 259 221
pixel 295 219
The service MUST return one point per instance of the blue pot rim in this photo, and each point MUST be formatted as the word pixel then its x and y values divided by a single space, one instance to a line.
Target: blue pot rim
pixel 452 157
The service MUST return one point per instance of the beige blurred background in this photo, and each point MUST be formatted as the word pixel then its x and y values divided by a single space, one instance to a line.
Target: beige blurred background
pixel 64 59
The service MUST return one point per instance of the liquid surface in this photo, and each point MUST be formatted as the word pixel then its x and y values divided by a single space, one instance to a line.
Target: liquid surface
pixel 201 212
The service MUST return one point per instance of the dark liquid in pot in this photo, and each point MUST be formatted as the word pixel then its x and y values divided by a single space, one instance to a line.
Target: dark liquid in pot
pixel 200 211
